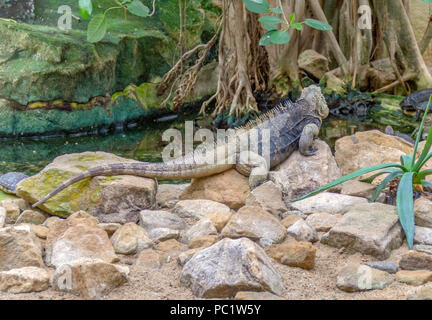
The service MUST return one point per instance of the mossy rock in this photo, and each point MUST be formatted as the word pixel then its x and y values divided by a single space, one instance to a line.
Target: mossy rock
pixel 110 198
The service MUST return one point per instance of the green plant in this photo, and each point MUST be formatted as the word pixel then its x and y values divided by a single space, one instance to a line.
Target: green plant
pixel 409 174
pixel 98 25
pixel 271 22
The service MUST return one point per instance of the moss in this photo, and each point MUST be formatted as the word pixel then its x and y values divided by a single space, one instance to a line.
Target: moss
pixel 4 196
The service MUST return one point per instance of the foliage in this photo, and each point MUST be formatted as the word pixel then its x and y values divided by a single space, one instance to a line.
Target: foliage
pixel 271 22
pixel 98 25
pixel 410 177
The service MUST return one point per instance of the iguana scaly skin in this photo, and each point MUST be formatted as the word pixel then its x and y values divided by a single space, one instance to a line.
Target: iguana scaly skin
pixel 291 126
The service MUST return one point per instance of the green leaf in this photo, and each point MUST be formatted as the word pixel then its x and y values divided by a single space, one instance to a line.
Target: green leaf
pixel 316 24
pixel 292 17
pixel 85 8
pixel 97 28
pixel 270 22
pixel 420 131
pixel 279 11
pixel 372 178
pixel 279 37
pixel 427 184
pixel 297 26
pixel 349 177
pixel 265 39
pixel 405 206
pixel 420 161
pixel 384 183
pixel 406 161
pixel 257 6
pixel 422 174
pixel 138 8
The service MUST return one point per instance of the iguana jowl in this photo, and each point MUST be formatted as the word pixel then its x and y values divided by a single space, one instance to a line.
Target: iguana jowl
pixel 291 126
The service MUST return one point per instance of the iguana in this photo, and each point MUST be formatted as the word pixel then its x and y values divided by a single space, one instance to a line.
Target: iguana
pixel 291 126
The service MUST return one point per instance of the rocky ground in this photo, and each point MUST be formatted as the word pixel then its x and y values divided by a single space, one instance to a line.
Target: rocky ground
pixel 216 238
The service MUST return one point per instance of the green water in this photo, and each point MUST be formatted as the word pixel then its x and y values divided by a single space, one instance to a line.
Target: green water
pixel 145 143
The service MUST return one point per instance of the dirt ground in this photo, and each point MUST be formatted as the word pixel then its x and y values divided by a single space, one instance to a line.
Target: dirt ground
pixel 300 284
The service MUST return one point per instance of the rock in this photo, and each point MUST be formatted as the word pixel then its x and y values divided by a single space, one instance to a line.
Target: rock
pixel 31 216
pixel 48 222
pixel 334 84
pixel 148 258
pixel 40 231
pixel 423 248
pixel 230 188
pixel 12 210
pixel 367 149
pixel 414 278
pixel 161 219
pixel 76 238
pixel 228 267
pixel 313 63
pixel 370 228
pixel 299 175
pixel 355 277
pixel 19 248
pixel 422 293
pixel 2 217
pixel 290 220
pixel 163 234
pixel 198 209
pixel 112 199
pixel 130 239
pixel 387 266
pixel 256 224
pixel 22 204
pixel 219 219
pixel 187 255
pixel 413 260
pixel 328 202
pixel 24 280
pixel 297 254
pixel 170 249
pixel 357 188
pixel 322 221
pixel 251 295
pixel 423 235
pixel 203 241
pixel 269 197
pixel 109 228
pixel 302 231
pixel 203 227
pixel 89 278
pixel 169 194
pixel 423 212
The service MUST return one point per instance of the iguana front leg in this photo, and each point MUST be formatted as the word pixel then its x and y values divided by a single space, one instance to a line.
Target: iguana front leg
pixel 309 133
pixel 254 166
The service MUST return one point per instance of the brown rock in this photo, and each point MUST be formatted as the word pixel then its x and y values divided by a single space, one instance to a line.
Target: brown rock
pixel 149 258
pixel 423 212
pixel 313 63
pixel 230 188
pixel 290 220
pixel 40 231
pixel 169 194
pixel 414 260
pixel 322 221
pixel 219 219
pixel 414 278
pixel 358 189
pixel 24 280
pixel 421 293
pixel 203 241
pixel 12 210
pixel 31 216
pixel 269 197
pixel 109 228
pixel 295 254
pixel 130 239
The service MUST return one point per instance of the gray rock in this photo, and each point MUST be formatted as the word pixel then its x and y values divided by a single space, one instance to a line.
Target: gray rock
pixel 370 228
pixel 198 209
pixel 24 280
pixel 31 216
pixel 414 260
pixel 2 217
pixel 203 227
pixel 423 235
pixel 322 221
pixel 423 212
pixel 387 266
pixel 267 196
pixel 130 239
pixel 163 234
pixel 423 248
pixel 150 219
pixel 187 255
pixel 255 223
pixel 228 267
pixel 169 194
pixel 355 277
pixel 327 202
pixel 19 248
pixel 302 231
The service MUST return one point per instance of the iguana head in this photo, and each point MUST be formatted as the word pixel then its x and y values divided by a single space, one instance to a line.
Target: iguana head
pixel 315 99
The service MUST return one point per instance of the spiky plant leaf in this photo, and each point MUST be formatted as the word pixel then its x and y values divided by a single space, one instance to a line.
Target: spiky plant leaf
pixel 405 206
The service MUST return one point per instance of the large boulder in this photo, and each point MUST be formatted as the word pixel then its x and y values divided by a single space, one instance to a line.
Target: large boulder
pixel 230 188
pixel 76 238
pixel 19 248
pixel 111 199
pixel 228 267
pixel 24 280
pixel 369 148
pixel 299 175
pixel 371 228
